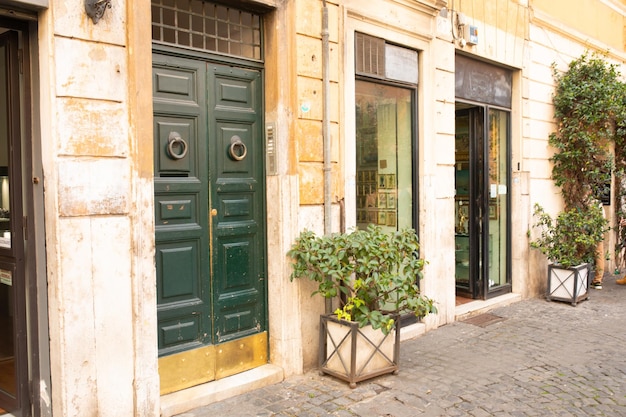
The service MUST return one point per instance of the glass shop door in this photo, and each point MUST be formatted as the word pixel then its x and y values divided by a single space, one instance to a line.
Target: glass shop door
pixel 482 181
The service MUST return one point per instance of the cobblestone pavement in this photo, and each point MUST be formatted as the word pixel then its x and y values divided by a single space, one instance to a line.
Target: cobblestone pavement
pixel 541 359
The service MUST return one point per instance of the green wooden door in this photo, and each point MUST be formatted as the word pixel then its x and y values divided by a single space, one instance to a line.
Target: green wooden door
pixel 236 169
pixel 209 220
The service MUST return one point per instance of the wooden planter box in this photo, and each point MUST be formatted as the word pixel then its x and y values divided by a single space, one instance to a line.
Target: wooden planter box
pixel 355 354
pixel 568 284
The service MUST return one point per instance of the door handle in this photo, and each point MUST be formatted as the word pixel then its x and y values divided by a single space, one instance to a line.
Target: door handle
pixel 174 140
pixel 237 149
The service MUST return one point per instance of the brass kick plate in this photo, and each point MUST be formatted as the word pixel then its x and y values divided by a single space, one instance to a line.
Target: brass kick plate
pixel 194 367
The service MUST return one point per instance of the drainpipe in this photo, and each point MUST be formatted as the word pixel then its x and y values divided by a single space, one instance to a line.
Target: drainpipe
pixel 326 135
pixel 326 124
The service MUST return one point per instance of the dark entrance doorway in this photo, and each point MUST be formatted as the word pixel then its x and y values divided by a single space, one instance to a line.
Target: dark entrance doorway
pixel 482 178
pixel 13 329
pixel 481 201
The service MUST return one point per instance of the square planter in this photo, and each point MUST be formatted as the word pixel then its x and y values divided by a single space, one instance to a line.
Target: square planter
pixel 568 284
pixel 355 354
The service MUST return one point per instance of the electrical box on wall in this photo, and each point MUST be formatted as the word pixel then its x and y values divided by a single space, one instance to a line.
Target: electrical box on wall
pixel 470 34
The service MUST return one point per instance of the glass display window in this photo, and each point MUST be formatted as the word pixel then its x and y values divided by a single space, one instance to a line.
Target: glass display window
pixel 384 155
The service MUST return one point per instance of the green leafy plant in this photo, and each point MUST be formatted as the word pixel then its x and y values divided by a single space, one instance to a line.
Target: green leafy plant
pixel 374 274
pixel 588 103
pixel 619 195
pixel 590 113
pixel 571 238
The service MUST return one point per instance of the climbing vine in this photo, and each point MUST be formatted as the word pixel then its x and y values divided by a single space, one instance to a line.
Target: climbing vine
pixel 586 103
pixel 590 109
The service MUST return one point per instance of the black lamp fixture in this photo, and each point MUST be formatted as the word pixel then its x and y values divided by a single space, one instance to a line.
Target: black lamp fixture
pixel 96 8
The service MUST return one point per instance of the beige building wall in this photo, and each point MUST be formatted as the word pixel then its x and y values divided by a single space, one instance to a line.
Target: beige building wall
pixel 412 25
pixel 417 25
pixel 503 40
pixel 96 117
pixel 96 114
pixel 289 303
pixel 557 40
pixel 309 111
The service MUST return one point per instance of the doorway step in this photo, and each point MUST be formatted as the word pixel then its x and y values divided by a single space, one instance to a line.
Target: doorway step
pixel 475 307
pixel 211 392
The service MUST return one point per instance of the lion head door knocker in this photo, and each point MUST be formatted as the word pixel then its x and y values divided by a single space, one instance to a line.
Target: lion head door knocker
pixel 176 146
pixel 96 8
pixel 237 149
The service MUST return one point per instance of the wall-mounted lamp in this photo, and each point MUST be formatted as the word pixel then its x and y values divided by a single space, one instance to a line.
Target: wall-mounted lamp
pixel 96 8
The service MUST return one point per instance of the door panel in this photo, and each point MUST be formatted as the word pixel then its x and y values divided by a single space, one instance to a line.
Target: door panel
pixel 14 377
pixel 238 199
pixel 181 204
pixel 498 198
pixel 209 211
pixel 482 182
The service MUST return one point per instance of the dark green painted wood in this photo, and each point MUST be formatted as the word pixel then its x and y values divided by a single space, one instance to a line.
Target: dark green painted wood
pixel 208 291
pixel 238 196
pixel 181 205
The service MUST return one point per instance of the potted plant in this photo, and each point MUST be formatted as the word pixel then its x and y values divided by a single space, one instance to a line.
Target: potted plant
pixel 569 241
pixel 588 102
pixel 374 277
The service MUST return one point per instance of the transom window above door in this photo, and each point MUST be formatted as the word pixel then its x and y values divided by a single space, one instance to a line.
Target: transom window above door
pixel 208 26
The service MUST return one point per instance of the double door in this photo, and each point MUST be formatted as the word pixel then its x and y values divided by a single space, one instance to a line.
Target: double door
pixel 482 199
pixel 209 215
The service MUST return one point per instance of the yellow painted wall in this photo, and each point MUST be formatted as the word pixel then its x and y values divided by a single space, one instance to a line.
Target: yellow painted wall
pixel 310 99
pixel 590 17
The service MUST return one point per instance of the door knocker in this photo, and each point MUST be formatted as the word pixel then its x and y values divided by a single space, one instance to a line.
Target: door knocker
pixel 237 149
pixel 173 141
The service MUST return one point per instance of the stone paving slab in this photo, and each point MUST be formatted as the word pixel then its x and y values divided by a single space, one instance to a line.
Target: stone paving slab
pixel 541 358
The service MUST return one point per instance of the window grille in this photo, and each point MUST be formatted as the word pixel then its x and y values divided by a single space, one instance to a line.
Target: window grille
pixel 211 27
pixel 370 55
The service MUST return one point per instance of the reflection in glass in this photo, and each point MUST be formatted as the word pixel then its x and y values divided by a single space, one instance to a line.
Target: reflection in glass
pixel 498 178
pixel 461 206
pixel 5 234
pixel 384 185
pixel 8 383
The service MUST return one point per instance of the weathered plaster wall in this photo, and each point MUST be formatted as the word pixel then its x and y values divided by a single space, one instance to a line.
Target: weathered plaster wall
pixel 97 159
pixel 96 118
pixel 284 298
pixel 311 100
pixel 440 281
pixel 309 143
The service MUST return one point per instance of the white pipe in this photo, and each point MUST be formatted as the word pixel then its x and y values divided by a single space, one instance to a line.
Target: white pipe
pixel 326 124
pixel 326 135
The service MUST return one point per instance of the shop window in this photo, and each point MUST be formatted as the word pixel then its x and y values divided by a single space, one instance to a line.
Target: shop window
pixel 385 124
